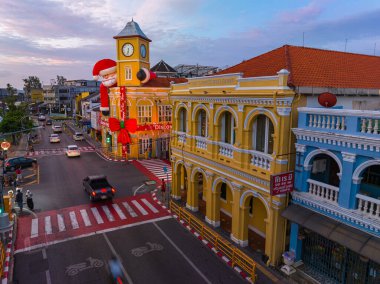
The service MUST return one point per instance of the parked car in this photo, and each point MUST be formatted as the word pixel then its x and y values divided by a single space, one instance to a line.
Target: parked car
pixel 98 187
pixel 12 164
pixel 54 138
pixel 57 128
pixel 49 122
pixel 72 151
pixel 41 117
pixel 78 136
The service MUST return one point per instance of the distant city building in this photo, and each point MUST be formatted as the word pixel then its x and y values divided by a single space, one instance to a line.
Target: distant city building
pixel 197 70
pixel 162 69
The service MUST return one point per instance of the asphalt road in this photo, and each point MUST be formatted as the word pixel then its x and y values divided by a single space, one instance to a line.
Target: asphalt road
pixel 61 177
pixel 157 252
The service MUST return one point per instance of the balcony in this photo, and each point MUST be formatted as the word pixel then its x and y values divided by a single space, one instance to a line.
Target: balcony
pixel 261 160
pixel 368 206
pixel 201 142
pixel 323 191
pixel 226 150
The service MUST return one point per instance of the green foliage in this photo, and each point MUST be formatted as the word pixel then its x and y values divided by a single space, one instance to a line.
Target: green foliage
pixel 11 91
pixel 15 119
pixel 61 80
pixel 33 82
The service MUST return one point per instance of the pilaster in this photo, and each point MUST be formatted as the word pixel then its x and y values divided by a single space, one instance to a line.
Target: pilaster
pixel 347 196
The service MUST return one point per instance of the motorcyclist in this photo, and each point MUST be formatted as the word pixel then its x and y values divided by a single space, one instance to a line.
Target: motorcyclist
pixel 115 269
pixel 29 199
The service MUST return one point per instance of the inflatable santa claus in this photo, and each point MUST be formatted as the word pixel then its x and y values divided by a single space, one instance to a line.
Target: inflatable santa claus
pixel 105 68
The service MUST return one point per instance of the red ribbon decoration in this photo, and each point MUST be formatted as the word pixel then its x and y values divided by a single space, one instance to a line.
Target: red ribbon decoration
pixel 124 127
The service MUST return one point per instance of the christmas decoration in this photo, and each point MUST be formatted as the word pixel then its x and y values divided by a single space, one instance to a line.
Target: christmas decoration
pixel 124 127
pixel 144 75
pixel 105 68
pixel 327 99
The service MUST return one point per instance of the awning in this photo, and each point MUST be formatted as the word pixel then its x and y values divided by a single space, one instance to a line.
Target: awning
pixel 354 239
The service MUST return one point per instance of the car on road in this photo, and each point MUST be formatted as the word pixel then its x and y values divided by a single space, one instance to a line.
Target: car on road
pixel 54 138
pixel 78 136
pixel 12 164
pixel 57 128
pixel 41 117
pixel 98 187
pixel 72 151
pixel 49 122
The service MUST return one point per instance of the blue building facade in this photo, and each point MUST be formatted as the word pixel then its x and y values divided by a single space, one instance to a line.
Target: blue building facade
pixel 335 207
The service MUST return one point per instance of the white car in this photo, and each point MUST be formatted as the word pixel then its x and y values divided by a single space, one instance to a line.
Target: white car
pixel 54 138
pixel 72 151
pixel 41 118
pixel 78 136
pixel 57 128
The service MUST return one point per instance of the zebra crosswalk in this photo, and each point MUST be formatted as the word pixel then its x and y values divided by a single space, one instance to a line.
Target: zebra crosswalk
pixel 58 225
pixel 58 151
pixel 156 167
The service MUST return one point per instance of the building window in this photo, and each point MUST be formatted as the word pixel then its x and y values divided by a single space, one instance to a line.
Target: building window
pixel 263 134
pixel 182 120
pixel 227 128
pixel 251 205
pixel 165 113
pixel 144 145
pixel 128 73
pixel 165 141
pixel 202 124
pixel 223 191
pixel 144 114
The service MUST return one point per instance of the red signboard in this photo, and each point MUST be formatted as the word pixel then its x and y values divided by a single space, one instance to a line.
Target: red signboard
pixel 281 183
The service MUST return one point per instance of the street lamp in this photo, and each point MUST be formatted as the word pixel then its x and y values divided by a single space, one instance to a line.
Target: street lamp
pixel 4 146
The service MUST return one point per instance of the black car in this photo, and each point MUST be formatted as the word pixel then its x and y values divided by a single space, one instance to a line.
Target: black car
pixel 12 164
pixel 49 122
pixel 98 187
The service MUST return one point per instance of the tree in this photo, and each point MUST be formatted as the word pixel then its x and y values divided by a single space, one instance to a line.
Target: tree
pixel 10 90
pixel 61 80
pixel 14 120
pixel 33 82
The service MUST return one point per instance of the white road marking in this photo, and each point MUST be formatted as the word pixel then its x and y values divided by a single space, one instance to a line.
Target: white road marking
pixel 181 253
pixel 48 229
pixel 97 216
pixel 139 207
pixel 108 213
pixel 118 211
pixel 129 209
pixel 85 217
pixel 151 207
pixel 74 221
pixel 61 223
pixel 34 231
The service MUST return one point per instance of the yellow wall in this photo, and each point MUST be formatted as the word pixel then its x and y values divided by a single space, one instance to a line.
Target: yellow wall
pixel 37 95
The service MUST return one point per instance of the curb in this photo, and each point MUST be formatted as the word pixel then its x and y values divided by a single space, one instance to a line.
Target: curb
pixel 204 241
pixel 8 251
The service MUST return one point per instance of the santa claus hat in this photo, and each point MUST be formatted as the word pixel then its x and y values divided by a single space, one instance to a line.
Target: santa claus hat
pixel 103 67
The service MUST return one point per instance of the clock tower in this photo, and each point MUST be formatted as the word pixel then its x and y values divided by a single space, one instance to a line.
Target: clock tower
pixel 132 48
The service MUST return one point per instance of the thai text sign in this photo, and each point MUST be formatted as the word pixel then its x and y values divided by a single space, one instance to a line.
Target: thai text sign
pixel 281 183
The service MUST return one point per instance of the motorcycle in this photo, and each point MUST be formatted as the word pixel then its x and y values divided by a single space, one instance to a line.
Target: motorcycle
pixel 116 274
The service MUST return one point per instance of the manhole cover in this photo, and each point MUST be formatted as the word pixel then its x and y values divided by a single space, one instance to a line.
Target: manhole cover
pixel 150 182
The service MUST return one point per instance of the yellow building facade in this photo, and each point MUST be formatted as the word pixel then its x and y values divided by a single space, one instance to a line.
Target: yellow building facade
pixel 230 134
pixel 147 102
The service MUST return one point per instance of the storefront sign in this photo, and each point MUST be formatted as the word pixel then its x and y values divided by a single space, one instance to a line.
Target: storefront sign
pixel 123 99
pixel 154 126
pixel 281 183
pixel 95 120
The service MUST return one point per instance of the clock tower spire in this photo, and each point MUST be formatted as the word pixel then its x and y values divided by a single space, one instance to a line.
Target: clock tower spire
pixel 132 47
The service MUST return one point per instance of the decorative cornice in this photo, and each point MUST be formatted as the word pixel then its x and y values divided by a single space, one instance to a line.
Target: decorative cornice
pixel 240 108
pixel 337 139
pixel 236 186
pixel 348 157
pixel 281 102
pixel 341 112
pixel 284 111
pixel 300 148
pixel 211 105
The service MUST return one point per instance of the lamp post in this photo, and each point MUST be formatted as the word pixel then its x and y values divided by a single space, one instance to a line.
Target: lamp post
pixel 4 146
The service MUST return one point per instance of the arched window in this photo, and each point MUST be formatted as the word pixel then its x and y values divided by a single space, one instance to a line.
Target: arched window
pixel 202 123
pixel 227 128
pixel 262 134
pixel 182 120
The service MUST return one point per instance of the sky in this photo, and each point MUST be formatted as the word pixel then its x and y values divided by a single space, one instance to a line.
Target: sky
pixel 46 38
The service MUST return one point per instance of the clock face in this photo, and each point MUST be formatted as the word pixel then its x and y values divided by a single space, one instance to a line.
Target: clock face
pixel 143 50
pixel 127 49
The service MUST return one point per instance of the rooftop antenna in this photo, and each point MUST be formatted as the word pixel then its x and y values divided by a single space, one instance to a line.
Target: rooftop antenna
pixel 303 39
pixel 345 46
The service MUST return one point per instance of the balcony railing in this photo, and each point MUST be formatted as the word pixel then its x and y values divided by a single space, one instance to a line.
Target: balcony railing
pixel 261 160
pixel 323 190
pixel 181 136
pixel 226 150
pixel 201 142
pixel 370 125
pixel 334 122
pixel 369 206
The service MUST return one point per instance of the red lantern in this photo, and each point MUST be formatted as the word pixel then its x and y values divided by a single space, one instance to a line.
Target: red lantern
pixel 327 99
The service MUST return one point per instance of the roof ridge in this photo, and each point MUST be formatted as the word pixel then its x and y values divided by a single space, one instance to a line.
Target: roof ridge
pixel 331 50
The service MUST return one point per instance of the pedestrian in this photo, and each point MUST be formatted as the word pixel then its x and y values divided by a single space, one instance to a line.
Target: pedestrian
pixel 163 190
pixel 18 175
pixel 150 152
pixel 14 183
pixel 19 199
pixel 29 199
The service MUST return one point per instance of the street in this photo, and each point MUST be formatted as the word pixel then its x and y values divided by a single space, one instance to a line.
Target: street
pixel 68 239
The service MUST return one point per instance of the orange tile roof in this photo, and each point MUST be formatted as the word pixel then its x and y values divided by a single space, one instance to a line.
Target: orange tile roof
pixel 163 82
pixel 311 67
